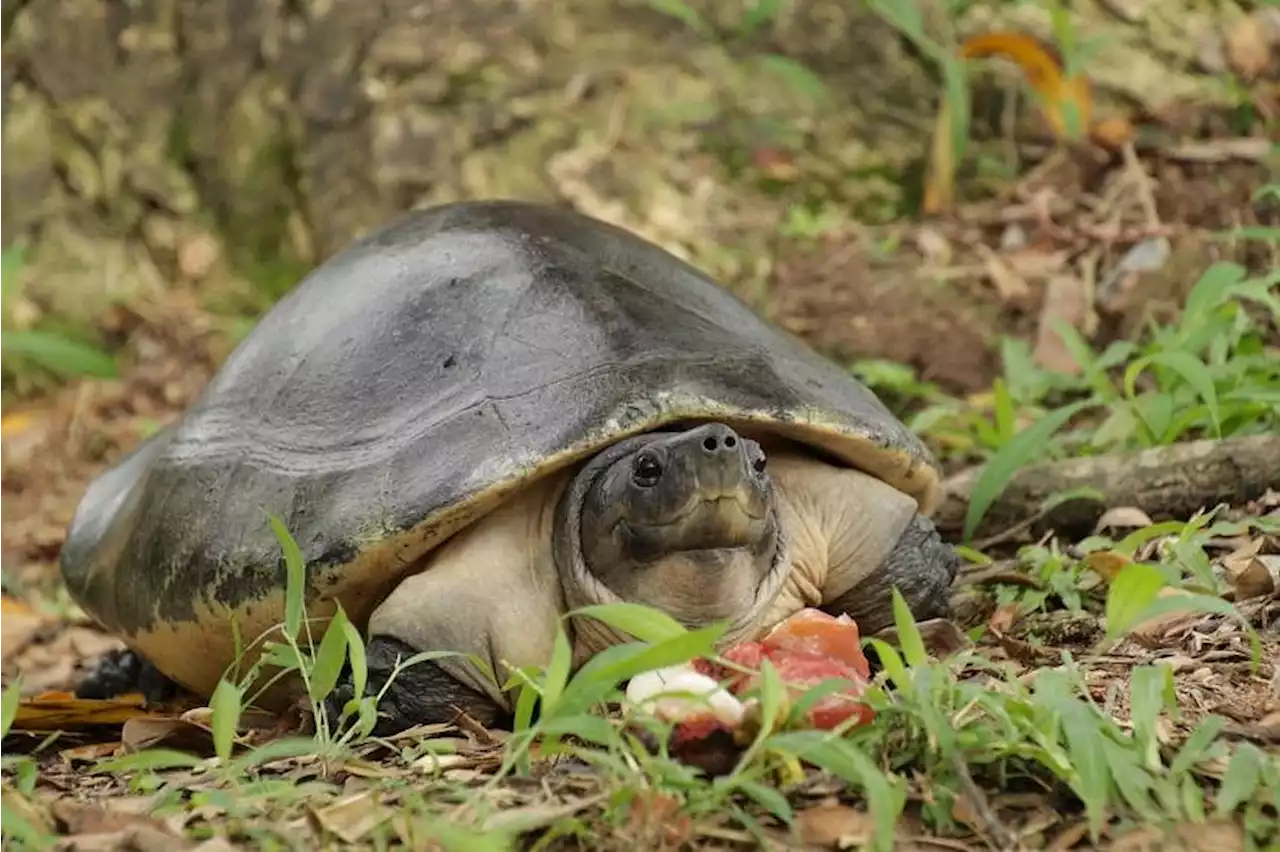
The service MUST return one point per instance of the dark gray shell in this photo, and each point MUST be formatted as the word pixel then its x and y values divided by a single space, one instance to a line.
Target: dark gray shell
pixel 443 360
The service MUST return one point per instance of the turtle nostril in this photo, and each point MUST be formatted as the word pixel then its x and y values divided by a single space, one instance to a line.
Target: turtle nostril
pixel 729 442
pixel 710 444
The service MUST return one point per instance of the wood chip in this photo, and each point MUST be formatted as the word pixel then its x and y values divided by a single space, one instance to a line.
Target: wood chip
pixel 1064 302
pixel 835 825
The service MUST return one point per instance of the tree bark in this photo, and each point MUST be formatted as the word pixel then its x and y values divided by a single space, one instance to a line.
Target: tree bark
pixel 1167 482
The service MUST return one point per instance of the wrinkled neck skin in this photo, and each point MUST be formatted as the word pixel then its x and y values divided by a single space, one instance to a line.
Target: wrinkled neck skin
pixel 695 587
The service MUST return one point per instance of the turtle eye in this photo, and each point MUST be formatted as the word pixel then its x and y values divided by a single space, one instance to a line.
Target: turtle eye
pixel 646 471
pixel 759 464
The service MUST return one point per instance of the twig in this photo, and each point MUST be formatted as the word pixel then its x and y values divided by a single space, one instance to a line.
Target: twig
pixel 996 830
pixel 1143 185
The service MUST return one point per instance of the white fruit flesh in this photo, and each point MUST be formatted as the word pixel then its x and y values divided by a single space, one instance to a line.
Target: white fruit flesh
pixel 678 693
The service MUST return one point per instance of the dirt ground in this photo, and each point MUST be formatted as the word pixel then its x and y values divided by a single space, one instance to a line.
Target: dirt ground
pixel 196 159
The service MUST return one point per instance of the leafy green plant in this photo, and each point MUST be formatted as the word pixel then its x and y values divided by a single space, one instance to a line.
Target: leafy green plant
pixel 42 348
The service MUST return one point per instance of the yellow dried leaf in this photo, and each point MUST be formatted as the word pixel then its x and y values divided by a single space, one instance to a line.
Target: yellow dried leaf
pixel 62 711
pixel 1107 563
pixel 352 818
pixel 834 826
pixel 1060 95
pixel 940 184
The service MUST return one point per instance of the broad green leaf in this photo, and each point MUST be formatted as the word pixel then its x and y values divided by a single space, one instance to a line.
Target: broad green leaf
pixel 1150 691
pixel 295 577
pixel 587 726
pixel 603 672
pixel 9 706
pixel 1131 780
pixel 18 828
pixel 885 795
pixel 795 75
pixel 1029 444
pixel 53 352
pixel 272 751
pixel 772 694
pixel 811 696
pixel 12 260
pixel 330 657
pixel 892 664
pixel 682 12
pixel 1130 595
pixel 768 798
pixel 913 650
pixel 149 760
pixel 1085 744
pixel 1192 799
pixel 356 654
pixel 908 19
pixel 1192 370
pixel 645 623
pixel 761 13
pixel 526 699
pixel 557 674
pixel 1241 780
pixel 1213 286
pixel 224 709
pixel 1196 746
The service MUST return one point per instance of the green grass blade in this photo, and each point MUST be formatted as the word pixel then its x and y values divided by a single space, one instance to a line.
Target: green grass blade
pixel 68 357
pixel 1027 445
pixel 643 622
pixel 295 576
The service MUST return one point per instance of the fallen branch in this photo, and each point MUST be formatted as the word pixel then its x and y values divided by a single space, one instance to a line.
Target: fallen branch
pixel 1171 482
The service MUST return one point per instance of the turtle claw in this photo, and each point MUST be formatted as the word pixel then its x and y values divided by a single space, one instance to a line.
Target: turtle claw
pixel 122 671
pixel 422 694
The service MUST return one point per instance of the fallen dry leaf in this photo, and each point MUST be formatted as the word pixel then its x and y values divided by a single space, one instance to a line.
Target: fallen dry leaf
pixel 1159 629
pixel 25 809
pixel 1012 288
pixel 1123 517
pixel 19 625
pixel 90 753
pixel 1065 301
pixel 142 732
pixel 62 711
pixel 941 636
pixel 353 817
pixel 1004 616
pixel 1065 101
pixel 1247 571
pixel 1215 836
pixel 1248 47
pixel 1107 563
pixel 77 817
pixel 939 187
pixel 834 825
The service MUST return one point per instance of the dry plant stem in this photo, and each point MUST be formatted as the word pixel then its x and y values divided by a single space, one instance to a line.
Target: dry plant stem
pixel 1165 482
pixel 1000 836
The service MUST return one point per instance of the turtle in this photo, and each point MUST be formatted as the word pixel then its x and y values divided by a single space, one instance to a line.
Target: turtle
pixel 479 417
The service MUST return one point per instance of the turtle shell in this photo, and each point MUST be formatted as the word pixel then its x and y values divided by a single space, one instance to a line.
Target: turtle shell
pixel 411 382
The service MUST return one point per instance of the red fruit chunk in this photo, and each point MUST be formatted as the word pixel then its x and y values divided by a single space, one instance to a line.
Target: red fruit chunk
pixel 801 672
pixel 811 631
pixel 806 649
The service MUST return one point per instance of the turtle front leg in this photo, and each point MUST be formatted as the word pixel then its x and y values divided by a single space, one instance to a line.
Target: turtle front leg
pixel 922 567
pixel 421 694
pixel 124 670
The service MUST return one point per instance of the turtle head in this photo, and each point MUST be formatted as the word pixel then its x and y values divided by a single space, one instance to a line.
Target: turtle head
pixel 683 521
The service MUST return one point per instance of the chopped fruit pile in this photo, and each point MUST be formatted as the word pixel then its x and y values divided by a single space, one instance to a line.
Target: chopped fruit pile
pixel 805 649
